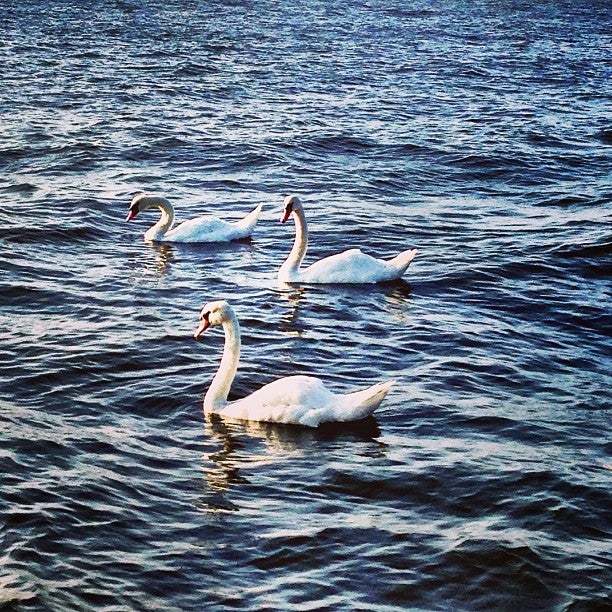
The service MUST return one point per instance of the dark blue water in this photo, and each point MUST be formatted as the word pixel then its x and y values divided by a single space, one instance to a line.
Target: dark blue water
pixel 479 133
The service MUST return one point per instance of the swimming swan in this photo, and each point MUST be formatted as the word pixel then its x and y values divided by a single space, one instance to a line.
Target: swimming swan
pixel 302 400
pixel 351 266
pixel 199 229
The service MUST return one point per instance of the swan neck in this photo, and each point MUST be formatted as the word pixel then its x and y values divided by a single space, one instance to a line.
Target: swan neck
pixel 291 267
pixel 166 220
pixel 216 396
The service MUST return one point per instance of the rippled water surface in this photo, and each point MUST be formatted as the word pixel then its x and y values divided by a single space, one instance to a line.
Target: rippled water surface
pixel 479 133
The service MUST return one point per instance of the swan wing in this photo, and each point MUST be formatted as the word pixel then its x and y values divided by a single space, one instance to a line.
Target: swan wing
pixel 247 225
pixel 304 400
pixel 355 406
pixel 285 400
pixel 206 229
pixel 353 266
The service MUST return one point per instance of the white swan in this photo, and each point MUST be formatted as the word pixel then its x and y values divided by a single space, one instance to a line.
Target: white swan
pixel 199 229
pixel 352 266
pixel 302 400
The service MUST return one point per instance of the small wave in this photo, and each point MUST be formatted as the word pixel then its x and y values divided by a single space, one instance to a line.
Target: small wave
pixel 594 250
pixel 251 160
pixel 339 144
pixel 170 142
pixel 508 428
pixel 14 597
pixel 195 69
pixel 25 188
pixel 605 136
pixel 14 153
pixel 511 573
pixel 50 158
pixel 393 152
pixel 565 201
pixel 549 140
pixel 488 162
pixel 50 235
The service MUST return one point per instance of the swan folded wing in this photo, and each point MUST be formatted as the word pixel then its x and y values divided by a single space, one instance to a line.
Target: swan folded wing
pixel 200 229
pixel 401 261
pixel 352 266
pixel 286 400
pixel 204 229
pixel 350 406
pixel 248 223
pixel 306 401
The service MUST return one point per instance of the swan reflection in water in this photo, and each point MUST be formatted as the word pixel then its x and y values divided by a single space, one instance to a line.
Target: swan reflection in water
pixel 164 254
pixel 155 260
pixel 248 445
pixel 396 294
pixel 289 323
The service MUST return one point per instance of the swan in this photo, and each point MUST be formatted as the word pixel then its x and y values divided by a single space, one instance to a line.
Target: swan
pixel 352 266
pixel 199 229
pixel 301 400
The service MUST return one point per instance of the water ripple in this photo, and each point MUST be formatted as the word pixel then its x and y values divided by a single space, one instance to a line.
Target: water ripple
pixel 478 135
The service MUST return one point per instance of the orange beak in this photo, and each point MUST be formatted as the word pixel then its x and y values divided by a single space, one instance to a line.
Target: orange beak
pixel 202 327
pixel 131 215
pixel 286 214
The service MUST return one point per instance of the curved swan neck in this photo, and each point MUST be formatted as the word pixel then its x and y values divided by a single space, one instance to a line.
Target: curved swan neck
pixel 166 220
pixel 290 269
pixel 216 396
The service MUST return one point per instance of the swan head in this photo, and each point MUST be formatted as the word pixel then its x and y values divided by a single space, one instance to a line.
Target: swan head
pixel 213 313
pixel 141 201
pixel 291 204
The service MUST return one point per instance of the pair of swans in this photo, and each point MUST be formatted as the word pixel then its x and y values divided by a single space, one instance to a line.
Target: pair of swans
pixel 350 267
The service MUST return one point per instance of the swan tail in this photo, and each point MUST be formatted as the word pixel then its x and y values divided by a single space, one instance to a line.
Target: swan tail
pixel 401 262
pixel 361 404
pixel 247 224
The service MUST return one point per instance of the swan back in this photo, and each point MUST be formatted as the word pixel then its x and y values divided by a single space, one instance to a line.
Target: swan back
pixel 354 266
pixel 203 229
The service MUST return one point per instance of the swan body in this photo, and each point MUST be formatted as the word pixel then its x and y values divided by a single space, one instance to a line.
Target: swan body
pixel 199 229
pixel 352 266
pixel 301 400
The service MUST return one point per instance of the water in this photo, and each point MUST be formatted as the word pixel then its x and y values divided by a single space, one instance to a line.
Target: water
pixel 478 132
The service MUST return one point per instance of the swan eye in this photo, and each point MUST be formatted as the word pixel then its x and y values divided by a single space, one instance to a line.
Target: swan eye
pixel 289 208
pixel 205 316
